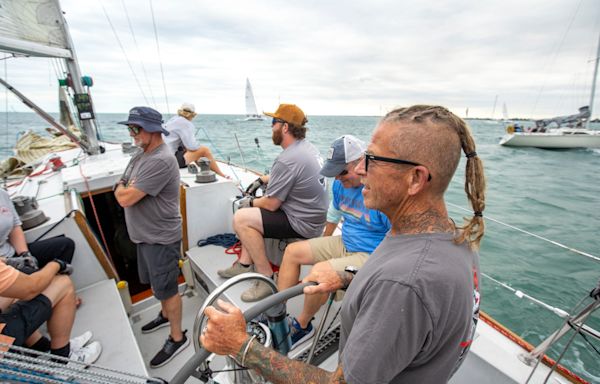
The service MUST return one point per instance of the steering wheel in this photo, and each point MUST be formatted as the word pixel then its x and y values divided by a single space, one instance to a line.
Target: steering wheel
pixel 202 354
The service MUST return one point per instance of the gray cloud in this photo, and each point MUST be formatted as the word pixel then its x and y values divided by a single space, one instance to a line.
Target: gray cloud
pixel 349 57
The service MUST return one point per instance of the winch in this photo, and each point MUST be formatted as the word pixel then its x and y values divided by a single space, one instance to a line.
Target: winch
pixel 27 209
pixel 205 175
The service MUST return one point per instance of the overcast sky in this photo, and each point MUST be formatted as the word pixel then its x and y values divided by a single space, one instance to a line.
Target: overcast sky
pixel 347 57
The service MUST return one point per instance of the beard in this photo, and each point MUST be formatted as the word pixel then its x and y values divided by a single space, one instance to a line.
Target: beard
pixel 277 137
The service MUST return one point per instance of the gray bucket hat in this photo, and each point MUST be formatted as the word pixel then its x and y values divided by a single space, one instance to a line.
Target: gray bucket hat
pixel 149 119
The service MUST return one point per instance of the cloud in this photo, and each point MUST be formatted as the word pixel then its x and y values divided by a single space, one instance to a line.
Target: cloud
pixel 350 57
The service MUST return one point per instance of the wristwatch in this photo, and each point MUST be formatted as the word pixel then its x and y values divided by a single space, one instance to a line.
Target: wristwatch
pixel 351 269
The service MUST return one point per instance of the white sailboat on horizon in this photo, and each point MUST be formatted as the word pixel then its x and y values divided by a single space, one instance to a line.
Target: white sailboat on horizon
pixel 575 134
pixel 251 111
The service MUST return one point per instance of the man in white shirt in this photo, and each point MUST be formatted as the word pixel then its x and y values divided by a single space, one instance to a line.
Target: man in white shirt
pixel 182 142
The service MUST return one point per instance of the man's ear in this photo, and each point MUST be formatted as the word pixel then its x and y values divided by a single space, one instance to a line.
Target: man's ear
pixel 417 179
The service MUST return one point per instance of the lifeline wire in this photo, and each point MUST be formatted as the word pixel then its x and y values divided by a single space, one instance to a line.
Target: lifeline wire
pixel 595 258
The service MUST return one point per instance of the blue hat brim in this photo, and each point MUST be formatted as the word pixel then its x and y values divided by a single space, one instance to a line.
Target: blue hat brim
pixel 332 168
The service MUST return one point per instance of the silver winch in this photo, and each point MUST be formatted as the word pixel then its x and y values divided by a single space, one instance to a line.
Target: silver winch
pixel 204 175
pixel 27 209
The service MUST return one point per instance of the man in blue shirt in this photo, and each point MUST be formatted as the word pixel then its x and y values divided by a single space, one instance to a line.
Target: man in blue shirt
pixel 362 231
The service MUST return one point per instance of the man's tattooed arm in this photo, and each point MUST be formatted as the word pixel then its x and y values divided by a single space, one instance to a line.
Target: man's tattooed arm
pixel 279 369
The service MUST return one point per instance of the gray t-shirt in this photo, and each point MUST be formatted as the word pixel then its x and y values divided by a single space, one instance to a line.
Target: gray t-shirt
pixel 410 313
pixel 8 220
pixel 155 219
pixel 181 133
pixel 296 181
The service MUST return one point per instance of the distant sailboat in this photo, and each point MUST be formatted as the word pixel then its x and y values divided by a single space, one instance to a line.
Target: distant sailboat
pixel 251 111
pixel 571 131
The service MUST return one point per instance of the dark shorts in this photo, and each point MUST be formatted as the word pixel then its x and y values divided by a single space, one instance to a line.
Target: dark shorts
pixel 180 158
pixel 277 226
pixel 25 317
pixel 158 265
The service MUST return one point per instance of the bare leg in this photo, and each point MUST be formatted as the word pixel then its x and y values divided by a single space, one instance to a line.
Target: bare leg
pixel 203 151
pixel 62 295
pixel 296 254
pixel 33 338
pixel 171 309
pixel 312 304
pixel 247 224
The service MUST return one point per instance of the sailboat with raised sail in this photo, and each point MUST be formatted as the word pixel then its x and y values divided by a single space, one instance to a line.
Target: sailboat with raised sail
pixel 571 131
pixel 251 111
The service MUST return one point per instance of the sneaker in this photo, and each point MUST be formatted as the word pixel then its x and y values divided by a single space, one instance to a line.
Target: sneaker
pixel 259 290
pixel 234 270
pixel 80 341
pixel 169 350
pixel 86 355
pixel 298 334
pixel 157 323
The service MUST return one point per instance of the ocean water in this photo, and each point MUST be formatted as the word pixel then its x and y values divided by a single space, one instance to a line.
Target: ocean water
pixel 552 193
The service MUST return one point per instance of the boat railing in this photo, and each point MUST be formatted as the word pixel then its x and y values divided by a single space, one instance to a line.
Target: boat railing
pixel 19 364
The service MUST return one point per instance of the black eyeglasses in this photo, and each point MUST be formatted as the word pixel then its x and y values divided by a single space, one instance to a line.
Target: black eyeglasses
pixel 370 157
pixel 343 173
pixel 275 121
pixel 134 129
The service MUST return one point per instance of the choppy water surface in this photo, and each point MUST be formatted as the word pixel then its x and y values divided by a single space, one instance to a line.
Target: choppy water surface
pixel 555 194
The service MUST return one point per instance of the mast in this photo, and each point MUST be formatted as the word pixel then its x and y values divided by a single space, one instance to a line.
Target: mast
pixel 593 94
pixel 87 118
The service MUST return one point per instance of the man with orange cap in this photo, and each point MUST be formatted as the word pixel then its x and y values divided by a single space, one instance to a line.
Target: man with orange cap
pixel 294 204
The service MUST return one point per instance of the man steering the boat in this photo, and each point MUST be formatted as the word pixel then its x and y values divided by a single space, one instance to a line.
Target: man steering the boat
pixel 182 141
pixel 294 204
pixel 149 193
pixel 362 232
pixel 409 314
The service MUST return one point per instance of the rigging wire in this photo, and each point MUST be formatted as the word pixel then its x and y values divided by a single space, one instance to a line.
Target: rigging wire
pixel 553 60
pixel 6 99
pixel 162 72
pixel 139 54
pixel 137 81
pixel 581 253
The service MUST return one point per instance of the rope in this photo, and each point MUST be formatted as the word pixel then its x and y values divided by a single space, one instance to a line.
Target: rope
pixel 87 187
pixel 226 240
pixel 581 253
pixel 162 72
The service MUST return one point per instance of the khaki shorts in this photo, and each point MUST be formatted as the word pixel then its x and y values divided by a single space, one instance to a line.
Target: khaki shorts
pixel 331 249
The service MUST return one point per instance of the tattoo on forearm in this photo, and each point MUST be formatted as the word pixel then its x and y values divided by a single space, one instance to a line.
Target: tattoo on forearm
pixel 346 278
pixel 279 369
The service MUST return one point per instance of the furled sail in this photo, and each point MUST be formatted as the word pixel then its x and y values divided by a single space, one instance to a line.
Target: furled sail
pixel 33 28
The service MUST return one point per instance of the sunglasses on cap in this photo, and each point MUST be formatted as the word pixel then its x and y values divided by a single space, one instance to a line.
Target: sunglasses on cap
pixel 275 121
pixel 370 157
pixel 134 129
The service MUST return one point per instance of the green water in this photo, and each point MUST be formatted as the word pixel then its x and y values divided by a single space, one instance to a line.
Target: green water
pixel 555 194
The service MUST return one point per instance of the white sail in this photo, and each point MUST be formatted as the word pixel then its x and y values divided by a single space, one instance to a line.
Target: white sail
pixel 251 111
pixel 504 112
pixel 32 28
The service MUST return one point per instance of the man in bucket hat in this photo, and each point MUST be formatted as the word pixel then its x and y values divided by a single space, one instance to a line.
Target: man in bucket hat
pixel 149 193
pixel 362 232
pixel 294 204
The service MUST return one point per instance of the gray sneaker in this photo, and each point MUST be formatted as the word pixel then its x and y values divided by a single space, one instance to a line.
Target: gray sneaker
pixel 259 290
pixel 234 270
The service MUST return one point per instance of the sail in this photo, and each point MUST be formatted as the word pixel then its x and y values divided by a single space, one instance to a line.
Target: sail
pixel 250 103
pixel 504 112
pixel 33 28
